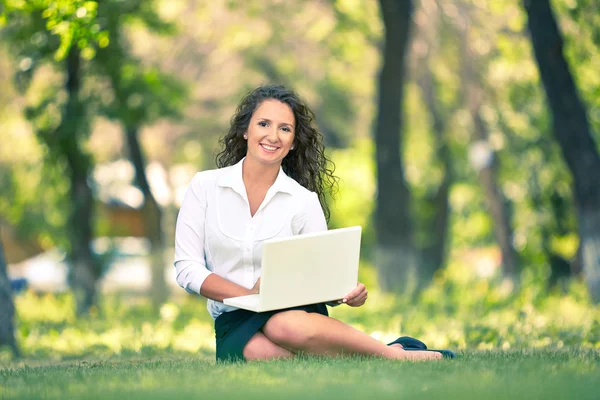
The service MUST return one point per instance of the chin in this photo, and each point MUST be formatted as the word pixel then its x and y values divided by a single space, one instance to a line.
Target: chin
pixel 261 158
pixel 271 161
pixel 270 158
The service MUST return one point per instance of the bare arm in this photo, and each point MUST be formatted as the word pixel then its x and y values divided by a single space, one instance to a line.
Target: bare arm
pixel 216 288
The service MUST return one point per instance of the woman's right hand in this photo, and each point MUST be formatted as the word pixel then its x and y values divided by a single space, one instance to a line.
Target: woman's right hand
pixel 256 288
pixel 218 288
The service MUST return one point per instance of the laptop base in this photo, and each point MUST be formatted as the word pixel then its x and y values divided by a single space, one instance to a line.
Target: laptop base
pixel 250 302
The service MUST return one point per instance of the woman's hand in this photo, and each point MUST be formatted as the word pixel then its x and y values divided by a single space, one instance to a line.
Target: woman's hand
pixel 357 297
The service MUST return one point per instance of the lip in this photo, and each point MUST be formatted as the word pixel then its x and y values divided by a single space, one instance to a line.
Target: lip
pixel 268 150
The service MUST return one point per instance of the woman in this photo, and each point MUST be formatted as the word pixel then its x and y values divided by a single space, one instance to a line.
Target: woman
pixel 271 182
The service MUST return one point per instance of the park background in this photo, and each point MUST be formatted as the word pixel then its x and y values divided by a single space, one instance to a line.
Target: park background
pixel 465 135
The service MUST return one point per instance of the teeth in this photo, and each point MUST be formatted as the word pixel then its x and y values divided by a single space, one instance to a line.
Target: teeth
pixel 269 147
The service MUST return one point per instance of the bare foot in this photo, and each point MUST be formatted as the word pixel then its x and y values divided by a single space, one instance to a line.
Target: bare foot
pixel 397 345
pixel 418 355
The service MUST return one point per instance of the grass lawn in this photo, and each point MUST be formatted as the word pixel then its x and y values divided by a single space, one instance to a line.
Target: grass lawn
pixel 515 374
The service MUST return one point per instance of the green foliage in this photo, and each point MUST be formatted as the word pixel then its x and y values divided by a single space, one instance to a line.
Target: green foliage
pixel 191 61
pixel 580 24
pixel 41 34
pixel 140 94
pixel 34 201
pixel 353 204
pixel 460 311
pixel 34 27
pixel 74 23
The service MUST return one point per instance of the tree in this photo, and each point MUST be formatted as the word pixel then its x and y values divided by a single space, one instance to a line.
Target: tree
pixel 141 96
pixel 84 272
pixel 396 257
pixel 84 41
pixel 572 131
pixel 485 159
pixel 64 38
pixel 433 250
pixel 7 309
pixel 433 255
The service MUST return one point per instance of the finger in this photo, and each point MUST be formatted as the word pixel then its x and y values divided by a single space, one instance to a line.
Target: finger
pixel 358 290
pixel 359 301
pixel 359 297
pixel 355 302
pixel 350 295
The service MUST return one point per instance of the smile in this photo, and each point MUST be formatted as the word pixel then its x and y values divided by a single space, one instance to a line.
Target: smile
pixel 267 147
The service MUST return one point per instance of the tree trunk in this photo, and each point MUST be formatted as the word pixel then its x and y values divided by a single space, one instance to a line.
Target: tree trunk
pixel 495 199
pixel 572 131
pixel 560 269
pixel 486 163
pixel 83 272
pixel 152 219
pixel 434 253
pixel 7 309
pixel 396 256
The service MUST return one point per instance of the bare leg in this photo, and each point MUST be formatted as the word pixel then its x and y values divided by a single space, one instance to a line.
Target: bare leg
pixel 317 334
pixel 259 347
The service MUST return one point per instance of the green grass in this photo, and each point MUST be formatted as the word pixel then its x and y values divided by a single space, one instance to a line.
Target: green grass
pixel 513 345
pixel 515 374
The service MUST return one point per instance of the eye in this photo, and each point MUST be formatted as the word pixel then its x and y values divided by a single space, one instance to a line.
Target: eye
pixel 263 123
pixel 286 128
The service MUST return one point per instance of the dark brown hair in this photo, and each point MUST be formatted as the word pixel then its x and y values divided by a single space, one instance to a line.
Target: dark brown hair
pixel 307 164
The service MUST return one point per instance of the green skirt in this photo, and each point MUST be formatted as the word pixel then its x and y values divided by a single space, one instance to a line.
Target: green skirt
pixel 234 329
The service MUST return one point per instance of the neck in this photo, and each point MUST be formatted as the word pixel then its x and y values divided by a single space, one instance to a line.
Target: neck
pixel 256 173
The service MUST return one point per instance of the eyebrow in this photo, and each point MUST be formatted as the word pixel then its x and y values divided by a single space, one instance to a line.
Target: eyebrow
pixel 268 120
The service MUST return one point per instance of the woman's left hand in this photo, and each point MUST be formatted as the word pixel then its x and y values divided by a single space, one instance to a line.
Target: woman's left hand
pixel 357 297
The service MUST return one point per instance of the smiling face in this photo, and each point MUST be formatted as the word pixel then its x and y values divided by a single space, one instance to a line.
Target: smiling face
pixel 270 132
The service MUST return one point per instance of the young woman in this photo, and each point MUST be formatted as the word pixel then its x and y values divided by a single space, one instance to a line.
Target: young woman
pixel 271 182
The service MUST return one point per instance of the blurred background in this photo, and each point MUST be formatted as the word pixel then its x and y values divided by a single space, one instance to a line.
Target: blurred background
pixel 465 134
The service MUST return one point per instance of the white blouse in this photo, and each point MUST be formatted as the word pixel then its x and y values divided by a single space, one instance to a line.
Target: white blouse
pixel 215 232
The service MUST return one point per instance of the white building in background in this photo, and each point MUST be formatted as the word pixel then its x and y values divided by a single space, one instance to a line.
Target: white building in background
pixel 128 268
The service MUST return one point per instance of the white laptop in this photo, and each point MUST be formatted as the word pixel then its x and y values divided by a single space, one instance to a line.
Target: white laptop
pixel 305 269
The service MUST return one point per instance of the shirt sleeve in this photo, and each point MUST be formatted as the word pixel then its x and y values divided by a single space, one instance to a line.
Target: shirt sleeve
pixel 315 218
pixel 190 263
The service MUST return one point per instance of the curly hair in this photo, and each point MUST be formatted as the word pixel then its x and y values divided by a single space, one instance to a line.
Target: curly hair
pixel 307 164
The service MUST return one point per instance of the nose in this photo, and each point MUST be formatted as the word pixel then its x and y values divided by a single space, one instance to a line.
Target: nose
pixel 272 135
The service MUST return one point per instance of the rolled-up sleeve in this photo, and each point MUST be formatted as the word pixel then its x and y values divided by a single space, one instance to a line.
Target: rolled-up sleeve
pixel 190 262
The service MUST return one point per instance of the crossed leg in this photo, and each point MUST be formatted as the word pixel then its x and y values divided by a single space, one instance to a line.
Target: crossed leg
pixel 259 347
pixel 293 332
